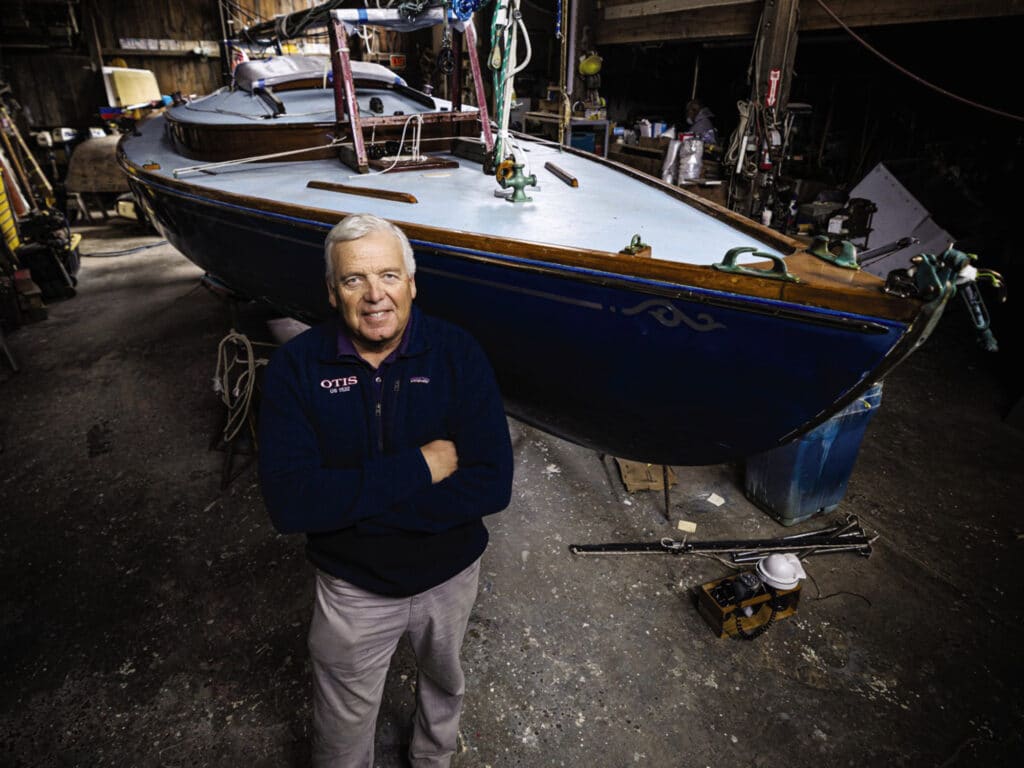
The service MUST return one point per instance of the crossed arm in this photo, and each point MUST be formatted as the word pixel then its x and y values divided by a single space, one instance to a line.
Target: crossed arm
pixel 431 488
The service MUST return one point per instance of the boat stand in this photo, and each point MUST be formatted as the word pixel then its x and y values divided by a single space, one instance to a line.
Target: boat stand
pixel 664 482
pixel 7 351
pixel 243 445
pixel 634 482
pixel 240 395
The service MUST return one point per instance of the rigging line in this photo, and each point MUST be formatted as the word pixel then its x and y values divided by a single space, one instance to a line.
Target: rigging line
pixel 529 50
pixel 179 172
pixel 911 75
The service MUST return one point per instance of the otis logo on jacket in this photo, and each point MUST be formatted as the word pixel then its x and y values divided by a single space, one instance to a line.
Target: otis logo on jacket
pixel 344 384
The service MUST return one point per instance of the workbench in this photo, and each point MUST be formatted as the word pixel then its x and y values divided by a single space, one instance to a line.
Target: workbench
pixel 599 127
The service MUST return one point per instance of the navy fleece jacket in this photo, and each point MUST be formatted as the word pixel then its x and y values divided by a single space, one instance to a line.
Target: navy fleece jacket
pixel 346 470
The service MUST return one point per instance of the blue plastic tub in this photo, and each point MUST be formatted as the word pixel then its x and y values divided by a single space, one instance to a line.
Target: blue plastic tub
pixel 585 141
pixel 808 476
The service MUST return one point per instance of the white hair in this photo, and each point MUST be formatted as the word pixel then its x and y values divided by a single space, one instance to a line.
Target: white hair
pixel 360 225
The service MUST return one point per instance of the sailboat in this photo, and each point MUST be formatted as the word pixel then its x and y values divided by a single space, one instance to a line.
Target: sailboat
pixel 619 312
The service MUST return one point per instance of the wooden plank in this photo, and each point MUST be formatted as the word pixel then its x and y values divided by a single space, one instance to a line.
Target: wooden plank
pixel 870 13
pixel 732 21
pixel 710 24
pixel 630 10
pixel 564 175
pixel 348 189
pixel 157 19
pixel 57 88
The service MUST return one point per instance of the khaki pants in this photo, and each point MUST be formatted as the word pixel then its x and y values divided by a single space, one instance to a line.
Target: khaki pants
pixel 351 640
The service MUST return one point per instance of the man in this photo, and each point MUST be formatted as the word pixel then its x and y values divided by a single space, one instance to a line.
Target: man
pixel 383 439
pixel 699 122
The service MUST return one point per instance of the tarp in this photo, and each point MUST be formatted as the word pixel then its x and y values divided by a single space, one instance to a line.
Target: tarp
pixel 262 73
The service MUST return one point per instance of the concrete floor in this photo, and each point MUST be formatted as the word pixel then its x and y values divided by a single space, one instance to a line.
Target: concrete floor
pixel 150 618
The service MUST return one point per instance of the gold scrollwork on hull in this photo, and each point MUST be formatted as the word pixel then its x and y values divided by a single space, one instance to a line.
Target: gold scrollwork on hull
pixel 671 316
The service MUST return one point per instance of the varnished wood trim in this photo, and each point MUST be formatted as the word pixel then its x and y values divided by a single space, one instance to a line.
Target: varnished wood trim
pixel 822 285
pixel 348 189
pixel 212 142
pixel 425 163
pixel 431 119
pixel 564 175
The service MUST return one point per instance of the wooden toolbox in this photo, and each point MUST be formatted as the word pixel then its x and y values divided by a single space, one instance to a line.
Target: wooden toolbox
pixel 720 613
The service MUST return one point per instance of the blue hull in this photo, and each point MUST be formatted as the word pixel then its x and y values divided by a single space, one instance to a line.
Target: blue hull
pixel 650 371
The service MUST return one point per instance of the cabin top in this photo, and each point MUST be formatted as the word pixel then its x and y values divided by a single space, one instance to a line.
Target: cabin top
pixel 280 70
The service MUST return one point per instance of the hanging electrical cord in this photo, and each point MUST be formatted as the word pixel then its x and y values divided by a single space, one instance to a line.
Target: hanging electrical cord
pixel 736 139
pixel 237 389
pixel 911 75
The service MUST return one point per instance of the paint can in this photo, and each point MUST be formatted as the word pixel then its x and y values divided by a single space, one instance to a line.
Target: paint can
pixel 691 158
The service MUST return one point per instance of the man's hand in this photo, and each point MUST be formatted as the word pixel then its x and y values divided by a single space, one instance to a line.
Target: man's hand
pixel 441 458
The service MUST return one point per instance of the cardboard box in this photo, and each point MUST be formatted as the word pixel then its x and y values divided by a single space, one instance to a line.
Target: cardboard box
pixel 642 162
pixel 638 476
pixel 646 142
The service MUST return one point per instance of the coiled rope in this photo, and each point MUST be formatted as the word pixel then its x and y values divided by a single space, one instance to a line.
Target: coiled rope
pixel 235 380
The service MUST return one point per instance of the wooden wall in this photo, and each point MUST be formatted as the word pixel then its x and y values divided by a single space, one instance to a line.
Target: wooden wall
pixel 55 88
pixel 641 21
pixel 62 85
pixel 112 21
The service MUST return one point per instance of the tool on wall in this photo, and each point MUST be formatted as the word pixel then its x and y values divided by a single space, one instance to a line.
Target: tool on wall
pixel 30 175
pixel 38 236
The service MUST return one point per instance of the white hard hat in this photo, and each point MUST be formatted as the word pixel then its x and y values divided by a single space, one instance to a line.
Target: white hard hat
pixel 782 571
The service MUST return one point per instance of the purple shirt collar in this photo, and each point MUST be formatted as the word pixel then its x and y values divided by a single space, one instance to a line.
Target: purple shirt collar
pixel 346 347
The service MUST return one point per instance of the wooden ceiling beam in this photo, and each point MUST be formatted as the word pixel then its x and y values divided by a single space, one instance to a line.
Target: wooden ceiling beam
pixel 739 20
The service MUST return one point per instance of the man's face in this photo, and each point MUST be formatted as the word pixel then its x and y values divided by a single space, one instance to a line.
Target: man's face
pixel 374 292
